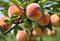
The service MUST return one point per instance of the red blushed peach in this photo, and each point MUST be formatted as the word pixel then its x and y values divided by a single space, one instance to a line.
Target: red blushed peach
pixel 3 18
pixel 14 9
pixel 55 21
pixel 22 36
pixel 5 26
pixel 51 33
pixel 40 32
pixel 33 11
pixel 44 20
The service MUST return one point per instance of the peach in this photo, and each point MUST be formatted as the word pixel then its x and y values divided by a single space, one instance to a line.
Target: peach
pixel 22 36
pixel 55 21
pixel 3 18
pixel 33 11
pixel 5 26
pixel 34 34
pixel 40 32
pixel 51 33
pixel 14 9
pixel 44 20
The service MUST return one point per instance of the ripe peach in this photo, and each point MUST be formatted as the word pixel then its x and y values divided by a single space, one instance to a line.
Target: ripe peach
pixel 22 36
pixel 55 21
pixel 3 18
pixel 44 20
pixel 34 33
pixel 40 32
pixel 14 9
pixel 33 11
pixel 4 25
pixel 51 33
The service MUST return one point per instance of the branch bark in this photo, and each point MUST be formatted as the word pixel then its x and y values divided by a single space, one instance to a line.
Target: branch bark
pixel 13 26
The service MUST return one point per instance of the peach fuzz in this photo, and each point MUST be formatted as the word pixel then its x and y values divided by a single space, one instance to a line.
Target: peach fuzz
pixel 55 21
pixel 44 20
pixel 4 25
pixel 22 36
pixel 14 9
pixel 33 11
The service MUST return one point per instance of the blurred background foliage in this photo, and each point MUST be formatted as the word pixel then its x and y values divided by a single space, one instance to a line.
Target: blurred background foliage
pixel 11 37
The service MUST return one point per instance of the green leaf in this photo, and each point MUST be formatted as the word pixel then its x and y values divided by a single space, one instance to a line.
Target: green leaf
pixel 17 28
pixel 15 17
pixel 22 1
pixel 27 24
pixel 43 2
pixel 5 13
pixel 34 25
pixel 30 22
pixel 15 2
pixel 31 1
pixel 58 13
pixel 36 1
pixel 49 26
pixel 1 29
pixel 6 5
pixel 15 31
pixel 55 0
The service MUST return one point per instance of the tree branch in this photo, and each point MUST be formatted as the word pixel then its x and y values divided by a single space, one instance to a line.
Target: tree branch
pixel 13 26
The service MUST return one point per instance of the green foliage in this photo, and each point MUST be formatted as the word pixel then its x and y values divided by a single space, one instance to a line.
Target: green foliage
pixel 15 17
pixel 12 37
pixel 5 13
pixel 1 30
pixel 17 28
pixel 14 2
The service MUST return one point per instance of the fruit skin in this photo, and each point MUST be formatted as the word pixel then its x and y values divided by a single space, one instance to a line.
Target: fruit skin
pixel 3 18
pixel 40 32
pixel 22 36
pixel 34 34
pixel 33 11
pixel 14 9
pixel 44 20
pixel 55 21
pixel 4 25
pixel 51 33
